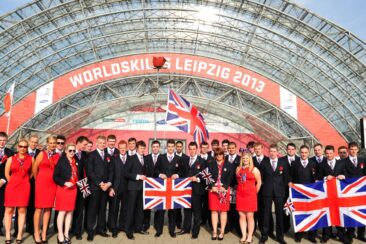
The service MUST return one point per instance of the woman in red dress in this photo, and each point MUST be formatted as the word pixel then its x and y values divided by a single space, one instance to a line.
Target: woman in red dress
pixel 249 183
pixel 18 170
pixel 45 189
pixel 65 176
pixel 219 194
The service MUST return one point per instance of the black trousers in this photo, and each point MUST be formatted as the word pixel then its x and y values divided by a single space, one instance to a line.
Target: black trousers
pixel 78 214
pixel 279 202
pixel 196 210
pixel 206 213
pixel 259 217
pixel 97 205
pixel 233 220
pixel 172 213
pixel 179 218
pixel 341 232
pixel 147 219
pixel 360 231
pixel 135 212
pixel 2 213
pixel 118 211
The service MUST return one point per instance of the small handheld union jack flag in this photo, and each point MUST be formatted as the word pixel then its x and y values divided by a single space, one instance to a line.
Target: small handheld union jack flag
pixel 206 175
pixel 289 207
pixel 84 187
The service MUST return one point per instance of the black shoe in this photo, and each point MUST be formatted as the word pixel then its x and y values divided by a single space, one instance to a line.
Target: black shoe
pixel 90 237
pixel 298 240
pixel 45 241
pixel 313 240
pixel 361 238
pixel 173 235
pixel 142 232
pixel 194 237
pixel 272 236
pixel 262 241
pixel 282 242
pixel 102 233
pixel 79 237
pixel 179 226
pixel 182 232
pixel 220 238
pixel 157 234
pixel 130 237
pixel 324 240
pixel 114 234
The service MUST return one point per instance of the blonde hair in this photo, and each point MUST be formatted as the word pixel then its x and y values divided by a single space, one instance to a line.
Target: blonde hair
pixel 251 165
pixel 23 140
pixel 70 145
pixel 51 138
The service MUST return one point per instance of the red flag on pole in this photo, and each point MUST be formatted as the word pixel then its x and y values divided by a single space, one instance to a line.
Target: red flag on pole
pixel 8 101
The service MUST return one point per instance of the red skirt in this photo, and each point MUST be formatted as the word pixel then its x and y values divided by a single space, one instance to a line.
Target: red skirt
pixel 17 193
pixel 65 198
pixel 214 202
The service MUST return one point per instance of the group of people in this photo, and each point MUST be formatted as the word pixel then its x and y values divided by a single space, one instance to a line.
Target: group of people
pixel 239 198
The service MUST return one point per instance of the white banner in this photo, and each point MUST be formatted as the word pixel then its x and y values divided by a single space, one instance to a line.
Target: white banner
pixel 288 102
pixel 44 97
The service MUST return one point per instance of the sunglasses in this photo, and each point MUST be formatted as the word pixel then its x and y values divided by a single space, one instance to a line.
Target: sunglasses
pixel 70 151
pixel 60 143
pixel 25 147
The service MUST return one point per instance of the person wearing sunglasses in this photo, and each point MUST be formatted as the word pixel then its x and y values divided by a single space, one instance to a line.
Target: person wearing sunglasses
pixel 65 176
pixel 60 140
pixel 5 153
pixel 219 192
pixel 18 171
pixel 45 189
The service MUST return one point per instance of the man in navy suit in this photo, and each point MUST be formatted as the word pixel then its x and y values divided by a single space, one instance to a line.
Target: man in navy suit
pixel 275 178
pixel 98 171
pixel 136 171
pixel 328 170
pixel 192 166
pixel 355 168
pixel 168 166
pixel 291 158
pixel 81 159
pixel 153 158
pixel 259 160
pixel 208 157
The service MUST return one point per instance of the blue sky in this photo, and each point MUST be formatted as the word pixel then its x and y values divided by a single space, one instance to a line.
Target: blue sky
pixel 349 14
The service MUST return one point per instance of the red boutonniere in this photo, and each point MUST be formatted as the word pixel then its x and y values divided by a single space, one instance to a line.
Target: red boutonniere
pixel 198 166
pixel 3 159
pixel 108 159
pixel 281 169
pixel 361 165
pixel 313 170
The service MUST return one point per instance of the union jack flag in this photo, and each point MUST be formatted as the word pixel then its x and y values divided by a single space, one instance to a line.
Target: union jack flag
pixel 186 117
pixel 84 187
pixel 206 175
pixel 329 203
pixel 167 194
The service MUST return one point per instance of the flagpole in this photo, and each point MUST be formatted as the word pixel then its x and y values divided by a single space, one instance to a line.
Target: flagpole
pixel 7 128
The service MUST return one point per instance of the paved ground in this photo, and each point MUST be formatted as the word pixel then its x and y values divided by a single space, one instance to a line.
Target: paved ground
pixel 204 237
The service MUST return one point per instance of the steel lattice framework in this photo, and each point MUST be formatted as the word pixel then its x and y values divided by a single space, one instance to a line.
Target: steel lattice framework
pixel 318 61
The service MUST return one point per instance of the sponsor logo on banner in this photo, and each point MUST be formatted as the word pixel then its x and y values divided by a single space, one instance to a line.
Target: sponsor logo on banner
pixel 288 102
pixel 118 120
pixel 44 96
